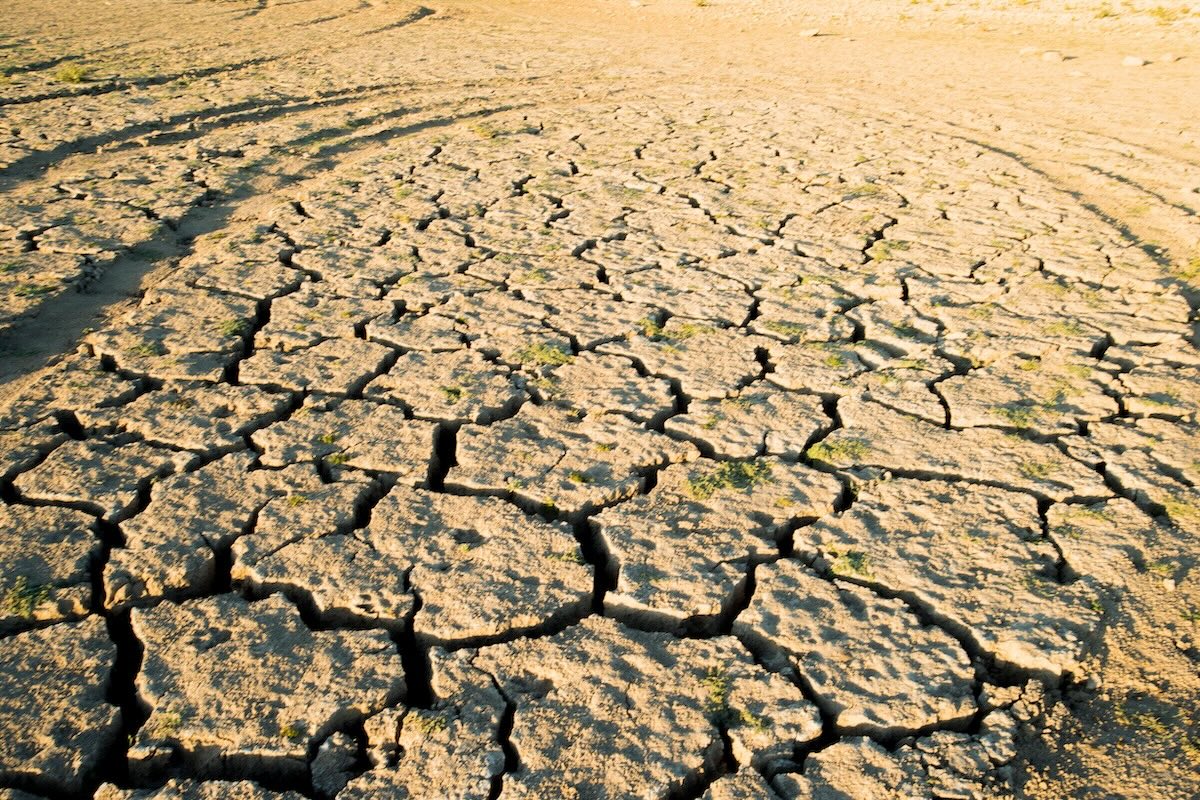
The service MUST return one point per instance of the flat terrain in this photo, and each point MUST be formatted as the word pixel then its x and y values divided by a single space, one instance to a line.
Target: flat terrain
pixel 595 399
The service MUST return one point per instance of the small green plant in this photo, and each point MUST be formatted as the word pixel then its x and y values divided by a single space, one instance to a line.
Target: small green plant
pixel 851 562
pixel 233 327
pixel 785 328
pixel 10 267
pixel 1064 328
pixel 834 361
pixel 605 447
pixel 328 437
pixel 166 725
pixel 23 598
pixel 452 393
pixel 838 451
pixel 740 475
pixel 572 557
pixel 578 477
pixel 716 686
pixel 1163 568
pixel 71 73
pixel 1037 470
pixel 148 349
pixel 425 723
pixel 1018 414
pixel 545 355
pixel 296 500
pixel 339 459
pixel 292 731
pixel 751 720
pixel 1191 271
pixel 863 190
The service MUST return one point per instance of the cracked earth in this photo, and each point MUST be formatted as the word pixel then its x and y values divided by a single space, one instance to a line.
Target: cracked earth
pixel 611 400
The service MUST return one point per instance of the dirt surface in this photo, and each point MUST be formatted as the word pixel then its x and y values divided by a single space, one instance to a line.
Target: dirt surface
pixel 596 399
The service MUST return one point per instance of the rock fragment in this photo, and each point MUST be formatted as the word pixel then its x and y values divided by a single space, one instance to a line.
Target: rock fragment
pixel 177 789
pixel 49 555
pixel 248 686
pixel 972 557
pixel 868 659
pixel 682 552
pixel 602 708
pixel 482 569
pixel 879 437
pixel 352 433
pixel 334 366
pixel 103 478
pixel 200 417
pixel 753 422
pixel 57 723
pixel 453 388
pixel 545 457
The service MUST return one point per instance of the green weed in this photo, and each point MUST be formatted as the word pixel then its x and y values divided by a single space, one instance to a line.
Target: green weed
pixel 23 598
pixel 740 475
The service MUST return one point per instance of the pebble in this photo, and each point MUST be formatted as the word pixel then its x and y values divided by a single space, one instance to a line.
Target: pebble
pixel 1134 61
pixel 1052 56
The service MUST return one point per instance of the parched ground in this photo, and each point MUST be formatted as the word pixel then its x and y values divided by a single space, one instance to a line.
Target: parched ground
pixel 596 399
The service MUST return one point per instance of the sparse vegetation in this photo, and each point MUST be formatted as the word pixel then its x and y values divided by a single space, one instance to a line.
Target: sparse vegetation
pixel 1037 470
pixel 71 73
pixel 785 328
pixel 23 598
pixel 716 684
pixel 739 475
pixel 166 725
pixel 545 355
pixel 234 327
pixel 148 349
pixel 426 723
pixel 851 563
pixel 292 731
pixel 839 451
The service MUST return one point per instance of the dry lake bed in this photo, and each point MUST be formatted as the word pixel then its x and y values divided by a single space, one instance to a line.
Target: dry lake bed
pixel 723 399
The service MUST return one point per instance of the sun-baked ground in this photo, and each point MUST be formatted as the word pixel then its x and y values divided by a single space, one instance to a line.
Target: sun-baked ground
pixel 727 399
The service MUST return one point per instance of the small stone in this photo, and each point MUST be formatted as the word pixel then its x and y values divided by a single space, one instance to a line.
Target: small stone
pixel 1052 56
pixel 1134 61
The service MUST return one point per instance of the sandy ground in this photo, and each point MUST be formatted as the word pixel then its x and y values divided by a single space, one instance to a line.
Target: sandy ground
pixel 152 149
